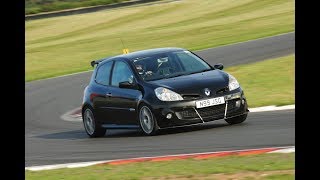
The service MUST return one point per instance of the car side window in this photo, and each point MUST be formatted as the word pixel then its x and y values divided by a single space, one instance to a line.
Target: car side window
pixel 103 73
pixel 121 73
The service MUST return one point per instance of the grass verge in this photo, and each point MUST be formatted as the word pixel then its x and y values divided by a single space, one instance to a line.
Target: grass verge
pixel 269 82
pixel 263 166
pixel 63 45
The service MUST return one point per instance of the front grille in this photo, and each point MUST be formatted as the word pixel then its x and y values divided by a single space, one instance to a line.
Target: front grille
pixel 187 114
pixel 190 96
pixel 207 112
pixel 212 111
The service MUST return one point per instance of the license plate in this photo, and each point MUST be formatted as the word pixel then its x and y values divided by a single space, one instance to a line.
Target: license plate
pixel 210 102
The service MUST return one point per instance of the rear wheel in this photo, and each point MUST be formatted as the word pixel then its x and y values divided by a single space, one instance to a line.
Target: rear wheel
pixel 91 125
pixel 147 121
pixel 237 120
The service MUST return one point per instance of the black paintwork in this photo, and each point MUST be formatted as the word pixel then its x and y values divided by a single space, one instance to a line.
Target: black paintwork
pixel 117 107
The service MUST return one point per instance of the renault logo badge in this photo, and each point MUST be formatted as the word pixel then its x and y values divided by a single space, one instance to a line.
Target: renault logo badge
pixel 207 91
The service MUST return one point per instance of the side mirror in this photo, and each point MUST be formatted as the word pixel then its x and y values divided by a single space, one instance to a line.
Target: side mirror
pixel 218 66
pixel 127 85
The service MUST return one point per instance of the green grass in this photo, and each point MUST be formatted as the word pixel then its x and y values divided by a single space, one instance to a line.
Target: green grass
pixel 38 6
pixel 241 166
pixel 269 82
pixel 63 45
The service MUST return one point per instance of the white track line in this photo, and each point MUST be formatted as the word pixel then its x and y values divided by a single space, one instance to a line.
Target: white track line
pixel 272 108
pixel 68 165
pixel 286 149
pixel 69 116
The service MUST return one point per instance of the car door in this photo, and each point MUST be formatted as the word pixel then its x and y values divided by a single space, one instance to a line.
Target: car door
pixel 123 101
pixel 102 91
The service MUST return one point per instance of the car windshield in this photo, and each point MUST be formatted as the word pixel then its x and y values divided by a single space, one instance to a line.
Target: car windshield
pixel 169 65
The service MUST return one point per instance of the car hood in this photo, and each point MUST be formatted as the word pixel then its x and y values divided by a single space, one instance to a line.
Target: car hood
pixel 194 84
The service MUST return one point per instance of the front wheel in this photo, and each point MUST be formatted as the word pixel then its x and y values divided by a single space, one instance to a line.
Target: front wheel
pixel 237 120
pixel 147 121
pixel 91 125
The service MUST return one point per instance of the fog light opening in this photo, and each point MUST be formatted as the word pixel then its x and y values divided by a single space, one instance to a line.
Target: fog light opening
pixel 169 116
pixel 238 103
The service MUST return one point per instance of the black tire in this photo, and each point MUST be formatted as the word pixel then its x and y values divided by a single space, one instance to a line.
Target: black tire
pixel 237 120
pixel 97 130
pixel 148 123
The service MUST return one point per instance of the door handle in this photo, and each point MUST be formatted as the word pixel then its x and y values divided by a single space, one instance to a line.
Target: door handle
pixel 109 95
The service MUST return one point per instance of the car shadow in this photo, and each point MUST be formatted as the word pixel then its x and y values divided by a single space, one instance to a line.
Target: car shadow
pixel 191 128
pixel 121 133
pixel 80 134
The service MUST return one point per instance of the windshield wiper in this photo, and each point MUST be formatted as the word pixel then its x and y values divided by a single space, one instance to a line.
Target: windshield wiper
pixel 181 74
pixel 166 77
pixel 184 74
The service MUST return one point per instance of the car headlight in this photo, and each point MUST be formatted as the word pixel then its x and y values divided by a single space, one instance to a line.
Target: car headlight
pixel 233 83
pixel 165 94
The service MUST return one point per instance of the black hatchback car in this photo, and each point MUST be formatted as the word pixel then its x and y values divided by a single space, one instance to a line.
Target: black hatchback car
pixel 157 89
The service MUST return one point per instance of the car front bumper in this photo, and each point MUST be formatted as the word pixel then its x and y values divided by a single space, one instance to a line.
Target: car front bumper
pixel 185 113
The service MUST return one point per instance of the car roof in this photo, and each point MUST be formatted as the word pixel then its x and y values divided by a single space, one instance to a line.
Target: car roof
pixel 147 52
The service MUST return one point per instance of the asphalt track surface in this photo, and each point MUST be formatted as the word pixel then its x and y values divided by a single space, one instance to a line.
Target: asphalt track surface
pixel 51 140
